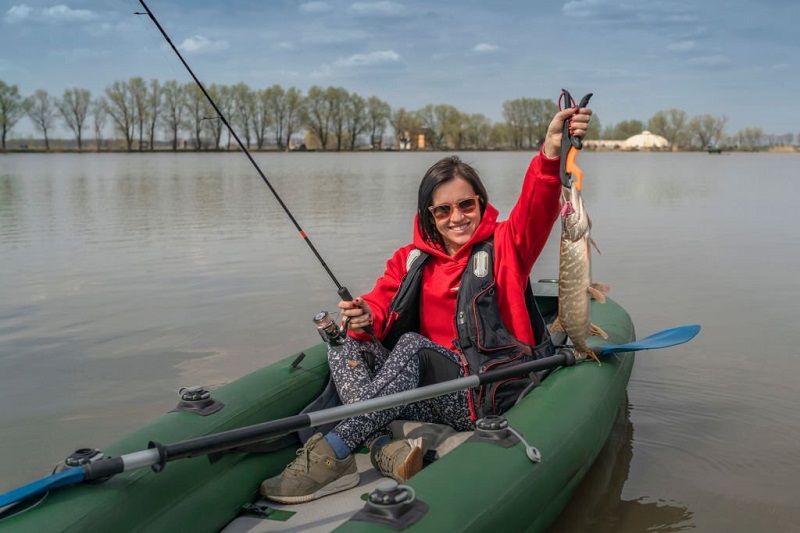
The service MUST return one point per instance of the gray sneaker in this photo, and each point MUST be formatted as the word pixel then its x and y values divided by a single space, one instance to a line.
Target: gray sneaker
pixel 398 459
pixel 315 473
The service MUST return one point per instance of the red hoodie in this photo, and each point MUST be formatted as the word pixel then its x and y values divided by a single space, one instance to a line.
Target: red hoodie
pixel 517 242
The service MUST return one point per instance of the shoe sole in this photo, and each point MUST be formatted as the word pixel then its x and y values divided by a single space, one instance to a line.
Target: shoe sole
pixel 347 481
pixel 410 466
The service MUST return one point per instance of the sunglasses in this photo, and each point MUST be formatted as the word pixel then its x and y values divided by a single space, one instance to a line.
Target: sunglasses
pixel 466 206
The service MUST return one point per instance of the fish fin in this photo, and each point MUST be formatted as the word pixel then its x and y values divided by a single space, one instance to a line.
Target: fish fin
pixel 594 244
pixel 589 353
pixel 598 291
pixel 556 326
pixel 597 330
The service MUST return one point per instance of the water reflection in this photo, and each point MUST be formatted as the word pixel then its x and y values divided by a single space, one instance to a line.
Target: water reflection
pixel 127 276
pixel 598 504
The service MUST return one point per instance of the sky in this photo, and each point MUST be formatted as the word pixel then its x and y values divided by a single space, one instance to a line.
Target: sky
pixel 738 59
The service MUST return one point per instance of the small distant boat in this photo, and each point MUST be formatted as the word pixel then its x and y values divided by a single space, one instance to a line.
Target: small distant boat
pixel 489 480
pixel 714 150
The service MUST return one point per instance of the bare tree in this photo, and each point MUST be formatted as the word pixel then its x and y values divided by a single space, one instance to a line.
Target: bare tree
pixel 295 104
pixel 275 102
pixel 262 119
pixel 244 108
pixel 74 107
pixel 173 105
pixel 749 138
pixel 405 124
pixel 355 115
pixel 317 115
pixel 514 113
pixel 528 119
pixel 121 108
pixel 706 130
pixel 378 113
pixel 99 114
pixel 221 94
pixel 624 129
pixel 478 131
pixel 670 124
pixel 10 110
pixel 441 121
pixel 153 106
pixel 197 108
pixel 139 96
pixel 337 97
pixel 42 112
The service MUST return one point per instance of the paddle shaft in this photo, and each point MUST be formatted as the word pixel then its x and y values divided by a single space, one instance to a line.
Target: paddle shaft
pixel 251 434
pixel 275 428
pixel 158 455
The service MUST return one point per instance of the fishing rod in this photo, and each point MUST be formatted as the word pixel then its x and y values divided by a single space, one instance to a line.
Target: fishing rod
pixel 344 293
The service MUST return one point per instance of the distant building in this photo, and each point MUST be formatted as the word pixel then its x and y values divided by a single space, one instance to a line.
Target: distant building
pixel 646 141
pixel 643 141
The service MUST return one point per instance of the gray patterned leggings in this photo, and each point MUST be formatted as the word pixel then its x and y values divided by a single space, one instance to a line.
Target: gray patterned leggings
pixel 395 371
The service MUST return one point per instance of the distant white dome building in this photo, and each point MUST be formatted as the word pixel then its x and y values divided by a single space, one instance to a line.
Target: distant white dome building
pixel 645 141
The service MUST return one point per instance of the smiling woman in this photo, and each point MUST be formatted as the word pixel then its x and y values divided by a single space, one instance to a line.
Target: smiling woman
pixel 464 268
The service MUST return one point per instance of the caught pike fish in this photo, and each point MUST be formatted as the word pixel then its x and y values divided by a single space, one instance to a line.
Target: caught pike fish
pixel 575 287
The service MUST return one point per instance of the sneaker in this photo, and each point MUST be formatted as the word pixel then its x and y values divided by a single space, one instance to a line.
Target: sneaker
pixel 398 459
pixel 315 473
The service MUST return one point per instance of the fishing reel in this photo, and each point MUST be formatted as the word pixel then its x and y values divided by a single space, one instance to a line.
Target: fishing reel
pixel 329 331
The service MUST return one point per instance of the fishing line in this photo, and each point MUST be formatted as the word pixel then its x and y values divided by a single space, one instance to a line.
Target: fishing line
pixel 344 294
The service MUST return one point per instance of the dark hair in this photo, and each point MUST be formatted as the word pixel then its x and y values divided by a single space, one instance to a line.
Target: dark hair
pixel 444 170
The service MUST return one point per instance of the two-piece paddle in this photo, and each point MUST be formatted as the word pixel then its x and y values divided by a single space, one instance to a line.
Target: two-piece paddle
pixel 157 455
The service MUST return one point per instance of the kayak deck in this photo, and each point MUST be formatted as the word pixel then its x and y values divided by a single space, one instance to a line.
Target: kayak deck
pixel 478 486
pixel 325 514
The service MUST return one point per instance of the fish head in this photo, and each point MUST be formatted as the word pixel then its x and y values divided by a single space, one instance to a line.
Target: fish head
pixel 574 217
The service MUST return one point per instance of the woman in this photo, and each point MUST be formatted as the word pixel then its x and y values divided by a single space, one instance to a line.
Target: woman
pixel 420 313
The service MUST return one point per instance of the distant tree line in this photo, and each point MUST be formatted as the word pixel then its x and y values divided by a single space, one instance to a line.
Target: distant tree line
pixel 145 114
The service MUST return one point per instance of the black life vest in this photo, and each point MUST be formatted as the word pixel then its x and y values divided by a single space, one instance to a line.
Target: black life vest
pixel 484 342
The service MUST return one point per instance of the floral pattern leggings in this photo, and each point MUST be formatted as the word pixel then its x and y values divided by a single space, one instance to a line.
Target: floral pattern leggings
pixel 395 371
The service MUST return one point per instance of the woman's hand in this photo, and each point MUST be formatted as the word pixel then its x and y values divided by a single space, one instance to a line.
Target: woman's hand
pixel 359 313
pixel 578 127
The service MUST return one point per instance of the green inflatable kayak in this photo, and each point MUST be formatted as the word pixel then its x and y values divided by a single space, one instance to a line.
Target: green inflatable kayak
pixel 515 474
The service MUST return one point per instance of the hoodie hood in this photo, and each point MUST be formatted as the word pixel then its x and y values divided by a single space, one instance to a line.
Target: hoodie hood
pixel 485 230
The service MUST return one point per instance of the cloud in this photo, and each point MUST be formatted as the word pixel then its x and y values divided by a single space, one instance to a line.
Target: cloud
pixel 710 61
pixel 485 47
pixel 624 11
pixel 372 59
pixel 384 8
pixel 57 13
pixel 198 43
pixel 368 60
pixel 314 8
pixel 683 46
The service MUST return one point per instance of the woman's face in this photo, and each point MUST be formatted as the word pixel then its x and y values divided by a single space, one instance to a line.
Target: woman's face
pixel 457 228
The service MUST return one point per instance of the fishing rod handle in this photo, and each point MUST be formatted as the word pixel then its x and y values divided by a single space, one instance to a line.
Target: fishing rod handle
pixel 345 295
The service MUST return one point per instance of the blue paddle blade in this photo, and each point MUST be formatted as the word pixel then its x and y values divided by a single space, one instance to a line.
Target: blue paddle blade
pixel 662 339
pixel 69 476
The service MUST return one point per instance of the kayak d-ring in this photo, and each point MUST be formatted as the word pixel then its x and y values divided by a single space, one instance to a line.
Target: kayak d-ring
pixel 496 430
pixel 392 505
pixel 197 400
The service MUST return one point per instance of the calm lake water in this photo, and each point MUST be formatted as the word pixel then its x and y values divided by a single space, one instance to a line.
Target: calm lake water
pixel 127 276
